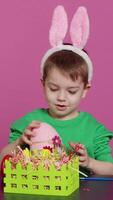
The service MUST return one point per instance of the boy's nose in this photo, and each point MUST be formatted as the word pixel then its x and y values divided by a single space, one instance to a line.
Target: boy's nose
pixel 61 96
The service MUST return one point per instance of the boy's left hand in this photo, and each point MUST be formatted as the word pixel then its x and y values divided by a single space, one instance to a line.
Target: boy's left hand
pixel 81 151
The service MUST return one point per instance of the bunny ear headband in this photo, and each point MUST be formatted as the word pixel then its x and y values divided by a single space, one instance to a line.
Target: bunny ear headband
pixel 79 32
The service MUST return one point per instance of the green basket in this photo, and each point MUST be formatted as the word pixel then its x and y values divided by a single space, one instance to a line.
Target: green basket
pixel 41 181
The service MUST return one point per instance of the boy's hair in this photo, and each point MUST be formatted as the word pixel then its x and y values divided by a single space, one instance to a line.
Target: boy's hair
pixel 69 63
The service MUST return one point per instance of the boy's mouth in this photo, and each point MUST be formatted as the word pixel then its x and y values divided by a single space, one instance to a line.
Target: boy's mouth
pixel 61 107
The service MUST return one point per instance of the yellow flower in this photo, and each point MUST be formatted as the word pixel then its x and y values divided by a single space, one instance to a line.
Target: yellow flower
pixel 46 153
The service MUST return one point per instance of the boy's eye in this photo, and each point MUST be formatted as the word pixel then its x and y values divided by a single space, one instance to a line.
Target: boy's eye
pixel 72 92
pixel 53 89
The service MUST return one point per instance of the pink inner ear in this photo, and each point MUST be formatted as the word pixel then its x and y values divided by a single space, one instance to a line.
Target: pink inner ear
pixel 79 28
pixel 59 26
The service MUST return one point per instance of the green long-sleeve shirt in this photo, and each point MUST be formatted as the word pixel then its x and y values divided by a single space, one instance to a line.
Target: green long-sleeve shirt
pixel 83 128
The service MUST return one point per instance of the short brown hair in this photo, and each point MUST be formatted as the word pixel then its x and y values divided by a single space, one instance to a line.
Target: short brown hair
pixel 68 62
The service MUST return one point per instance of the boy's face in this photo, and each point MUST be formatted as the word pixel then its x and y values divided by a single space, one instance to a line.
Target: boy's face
pixel 63 95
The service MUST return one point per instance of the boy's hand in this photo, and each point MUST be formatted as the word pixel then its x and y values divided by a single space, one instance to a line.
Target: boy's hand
pixel 81 151
pixel 28 132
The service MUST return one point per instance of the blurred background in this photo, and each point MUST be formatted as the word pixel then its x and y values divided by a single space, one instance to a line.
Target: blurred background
pixel 24 27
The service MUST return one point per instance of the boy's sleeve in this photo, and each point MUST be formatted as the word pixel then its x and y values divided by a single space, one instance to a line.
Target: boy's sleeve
pixel 18 127
pixel 14 135
pixel 102 148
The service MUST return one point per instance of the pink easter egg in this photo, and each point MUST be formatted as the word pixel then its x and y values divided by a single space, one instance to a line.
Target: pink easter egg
pixel 43 136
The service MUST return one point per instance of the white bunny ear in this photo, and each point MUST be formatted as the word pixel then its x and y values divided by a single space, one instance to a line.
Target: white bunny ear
pixel 59 26
pixel 79 28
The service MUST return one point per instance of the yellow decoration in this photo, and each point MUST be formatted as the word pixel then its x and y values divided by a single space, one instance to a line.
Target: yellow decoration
pixel 46 153
pixel 27 152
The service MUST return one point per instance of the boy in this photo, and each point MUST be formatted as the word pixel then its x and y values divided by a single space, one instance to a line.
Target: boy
pixel 64 87
pixel 66 77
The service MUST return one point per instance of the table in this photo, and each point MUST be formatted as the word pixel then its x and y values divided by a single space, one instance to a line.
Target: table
pixel 89 190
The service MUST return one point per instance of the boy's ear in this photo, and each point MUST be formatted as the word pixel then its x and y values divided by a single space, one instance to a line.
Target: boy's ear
pixel 42 82
pixel 88 86
pixel 86 89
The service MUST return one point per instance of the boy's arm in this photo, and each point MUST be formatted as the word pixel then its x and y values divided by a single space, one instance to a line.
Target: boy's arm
pixel 96 166
pixel 7 150
pixel 100 167
pixel 22 140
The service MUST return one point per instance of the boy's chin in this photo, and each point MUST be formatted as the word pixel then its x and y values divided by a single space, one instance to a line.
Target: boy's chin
pixel 58 114
pixel 62 115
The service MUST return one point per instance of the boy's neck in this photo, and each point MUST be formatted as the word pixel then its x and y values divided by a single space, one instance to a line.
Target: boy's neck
pixel 68 117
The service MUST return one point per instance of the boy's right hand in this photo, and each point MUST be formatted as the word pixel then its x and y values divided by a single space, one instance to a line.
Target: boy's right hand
pixel 28 132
